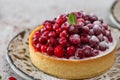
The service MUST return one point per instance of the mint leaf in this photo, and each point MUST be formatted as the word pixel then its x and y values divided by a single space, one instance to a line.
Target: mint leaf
pixel 72 19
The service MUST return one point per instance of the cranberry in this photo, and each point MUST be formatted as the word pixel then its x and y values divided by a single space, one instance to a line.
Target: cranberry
pixel 71 51
pixel 80 25
pixel 12 78
pixel 100 37
pixel 77 14
pixel 93 41
pixel 55 26
pixel 93 18
pixel 37 34
pixel 58 31
pixel 43 39
pixel 80 20
pixel 59 51
pixel 52 41
pixel 35 41
pixel 105 26
pixel 64 33
pixel 87 51
pixel 45 33
pixel 43 48
pixel 61 19
pixel 52 34
pixel 85 29
pixel 97 29
pixel 87 22
pixel 96 22
pixel 80 53
pixel 38 47
pixel 90 26
pixel 48 26
pixel 63 41
pixel 74 39
pixel 43 29
pixel 65 26
pixel 84 38
pixel 103 46
pixel 95 52
pixel 73 30
pixel 50 50
pixel 91 32
pixel 109 36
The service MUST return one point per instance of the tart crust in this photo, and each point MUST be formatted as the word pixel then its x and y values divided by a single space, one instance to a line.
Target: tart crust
pixel 67 68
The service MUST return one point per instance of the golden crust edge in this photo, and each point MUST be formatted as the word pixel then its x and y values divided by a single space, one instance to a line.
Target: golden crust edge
pixel 101 64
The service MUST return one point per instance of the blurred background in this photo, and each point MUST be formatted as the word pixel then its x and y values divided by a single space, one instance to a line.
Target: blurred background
pixel 17 15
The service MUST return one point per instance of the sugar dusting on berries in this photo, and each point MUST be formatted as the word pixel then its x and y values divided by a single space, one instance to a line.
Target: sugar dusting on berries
pixel 76 35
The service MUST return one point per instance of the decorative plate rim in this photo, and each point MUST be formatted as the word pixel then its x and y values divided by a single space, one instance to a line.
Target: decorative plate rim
pixel 12 65
pixel 112 16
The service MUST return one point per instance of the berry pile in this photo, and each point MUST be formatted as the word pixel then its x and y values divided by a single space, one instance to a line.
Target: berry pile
pixel 77 34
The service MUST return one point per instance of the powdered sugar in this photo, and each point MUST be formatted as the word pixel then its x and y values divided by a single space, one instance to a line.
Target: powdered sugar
pixel 94 38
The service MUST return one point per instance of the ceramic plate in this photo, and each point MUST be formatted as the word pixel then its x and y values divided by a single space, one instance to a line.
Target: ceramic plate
pixel 18 58
pixel 115 13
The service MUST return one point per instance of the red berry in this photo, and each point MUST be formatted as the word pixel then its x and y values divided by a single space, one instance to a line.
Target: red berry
pixel 37 34
pixel 80 20
pixel 93 18
pixel 64 33
pixel 95 52
pixel 105 26
pixel 93 41
pixel 87 51
pixel 73 30
pixel 90 25
pixel 103 46
pixel 91 32
pixel 38 46
pixel 97 29
pixel 50 50
pixel 48 26
pixel 56 26
pixel 43 29
pixel 52 41
pixel 65 26
pixel 74 39
pixel 43 48
pixel 59 51
pixel 12 78
pixel 43 39
pixel 100 37
pixel 84 38
pixel 58 31
pixel 45 33
pixel 63 41
pixel 109 36
pixel 52 34
pixel 85 29
pixel 80 53
pixel 61 19
pixel 71 51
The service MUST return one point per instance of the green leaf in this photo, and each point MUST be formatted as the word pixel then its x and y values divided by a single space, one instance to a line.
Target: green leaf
pixel 72 19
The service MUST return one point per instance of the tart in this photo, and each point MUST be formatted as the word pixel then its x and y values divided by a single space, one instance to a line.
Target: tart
pixel 73 46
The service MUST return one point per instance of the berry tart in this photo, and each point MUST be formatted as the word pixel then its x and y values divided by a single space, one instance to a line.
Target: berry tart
pixel 73 46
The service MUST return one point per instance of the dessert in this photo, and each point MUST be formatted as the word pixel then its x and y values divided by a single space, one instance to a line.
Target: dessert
pixel 73 46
